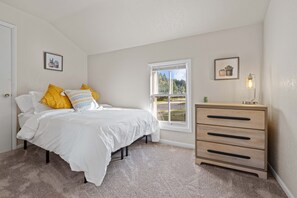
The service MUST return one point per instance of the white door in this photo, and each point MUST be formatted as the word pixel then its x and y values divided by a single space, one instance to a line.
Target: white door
pixel 5 89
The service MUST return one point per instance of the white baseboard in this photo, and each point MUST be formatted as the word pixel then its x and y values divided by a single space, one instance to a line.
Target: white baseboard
pixel 281 182
pixel 179 144
pixel 22 145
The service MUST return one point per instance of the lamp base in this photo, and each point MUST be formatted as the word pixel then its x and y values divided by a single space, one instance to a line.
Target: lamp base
pixel 250 102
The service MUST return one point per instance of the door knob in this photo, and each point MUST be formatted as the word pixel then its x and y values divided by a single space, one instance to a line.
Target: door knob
pixel 6 95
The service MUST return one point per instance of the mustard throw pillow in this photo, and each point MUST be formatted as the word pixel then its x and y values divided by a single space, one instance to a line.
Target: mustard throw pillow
pixel 54 98
pixel 95 94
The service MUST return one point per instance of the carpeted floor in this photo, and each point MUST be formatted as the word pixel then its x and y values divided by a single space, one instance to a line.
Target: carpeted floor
pixel 151 170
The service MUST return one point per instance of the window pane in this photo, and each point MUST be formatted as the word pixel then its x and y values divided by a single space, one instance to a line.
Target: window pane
pixel 160 82
pixel 161 108
pixel 179 78
pixel 178 109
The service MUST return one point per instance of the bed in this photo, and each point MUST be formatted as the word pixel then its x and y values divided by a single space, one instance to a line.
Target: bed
pixel 87 139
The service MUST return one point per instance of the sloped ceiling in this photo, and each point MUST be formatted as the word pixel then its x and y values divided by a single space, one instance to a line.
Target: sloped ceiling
pixel 98 26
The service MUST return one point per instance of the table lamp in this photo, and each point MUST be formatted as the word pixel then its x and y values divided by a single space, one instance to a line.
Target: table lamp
pixel 251 84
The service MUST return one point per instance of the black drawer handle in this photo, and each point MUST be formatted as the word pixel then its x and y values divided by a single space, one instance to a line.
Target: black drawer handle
pixel 228 154
pixel 229 117
pixel 228 136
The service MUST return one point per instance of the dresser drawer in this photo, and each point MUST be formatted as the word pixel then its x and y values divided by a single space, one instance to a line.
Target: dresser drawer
pixel 235 136
pixel 231 154
pixel 232 118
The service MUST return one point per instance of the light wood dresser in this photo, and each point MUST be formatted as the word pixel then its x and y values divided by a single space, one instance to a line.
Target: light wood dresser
pixel 232 136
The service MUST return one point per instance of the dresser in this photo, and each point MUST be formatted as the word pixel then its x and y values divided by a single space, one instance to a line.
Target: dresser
pixel 232 136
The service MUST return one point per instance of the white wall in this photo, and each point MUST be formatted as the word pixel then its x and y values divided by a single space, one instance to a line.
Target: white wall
pixel 34 36
pixel 122 77
pixel 280 88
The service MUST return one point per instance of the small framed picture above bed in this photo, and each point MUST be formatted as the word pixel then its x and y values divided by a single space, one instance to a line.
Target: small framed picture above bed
pixel 53 61
pixel 226 68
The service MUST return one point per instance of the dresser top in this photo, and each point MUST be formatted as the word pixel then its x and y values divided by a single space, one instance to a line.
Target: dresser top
pixel 232 106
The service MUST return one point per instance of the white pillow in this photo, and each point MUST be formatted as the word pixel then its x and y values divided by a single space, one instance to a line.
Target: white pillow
pixel 105 106
pixel 38 106
pixel 82 100
pixel 24 103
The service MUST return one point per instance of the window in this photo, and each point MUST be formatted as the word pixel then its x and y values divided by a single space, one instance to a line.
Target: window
pixel 170 94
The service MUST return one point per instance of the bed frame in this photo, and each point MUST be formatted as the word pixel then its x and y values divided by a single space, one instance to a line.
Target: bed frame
pixel 47 157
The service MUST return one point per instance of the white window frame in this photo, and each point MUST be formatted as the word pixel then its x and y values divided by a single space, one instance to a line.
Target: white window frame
pixel 172 126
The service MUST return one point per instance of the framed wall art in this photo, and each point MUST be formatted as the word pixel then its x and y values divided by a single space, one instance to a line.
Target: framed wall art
pixel 226 68
pixel 53 61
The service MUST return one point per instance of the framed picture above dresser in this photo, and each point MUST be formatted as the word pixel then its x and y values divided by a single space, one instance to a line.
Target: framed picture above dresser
pixel 232 136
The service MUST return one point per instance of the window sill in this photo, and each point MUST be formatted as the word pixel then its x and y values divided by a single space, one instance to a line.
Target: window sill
pixel 175 128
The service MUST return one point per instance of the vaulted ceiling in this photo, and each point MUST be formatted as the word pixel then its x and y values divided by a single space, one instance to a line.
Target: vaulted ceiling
pixel 98 26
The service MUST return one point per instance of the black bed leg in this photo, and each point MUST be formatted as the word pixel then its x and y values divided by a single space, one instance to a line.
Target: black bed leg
pixel 25 144
pixel 127 151
pixel 47 157
pixel 85 180
pixel 146 139
pixel 122 153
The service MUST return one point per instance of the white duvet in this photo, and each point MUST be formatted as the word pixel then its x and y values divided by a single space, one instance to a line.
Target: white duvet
pixel 86 139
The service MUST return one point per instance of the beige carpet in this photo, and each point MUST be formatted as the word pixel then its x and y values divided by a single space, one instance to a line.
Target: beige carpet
pixel 151 170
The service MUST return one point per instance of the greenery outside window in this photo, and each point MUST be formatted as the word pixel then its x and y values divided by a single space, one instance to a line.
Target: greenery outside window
pixel 170 94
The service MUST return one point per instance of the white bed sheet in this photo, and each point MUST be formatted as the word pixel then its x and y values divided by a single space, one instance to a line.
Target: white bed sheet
pixel 86 139
pixel 23 117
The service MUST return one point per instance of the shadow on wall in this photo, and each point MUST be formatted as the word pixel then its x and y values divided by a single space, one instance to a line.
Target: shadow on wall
pixel 275 135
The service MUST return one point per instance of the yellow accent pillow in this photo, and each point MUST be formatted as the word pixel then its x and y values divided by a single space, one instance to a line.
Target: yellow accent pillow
pixel 95 94
pixel 54 98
